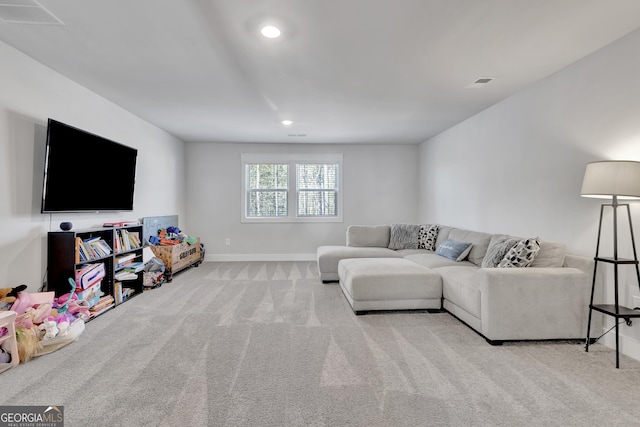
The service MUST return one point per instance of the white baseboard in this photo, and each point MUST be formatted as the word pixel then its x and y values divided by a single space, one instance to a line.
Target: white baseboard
pixel 629 346
pixel 258 257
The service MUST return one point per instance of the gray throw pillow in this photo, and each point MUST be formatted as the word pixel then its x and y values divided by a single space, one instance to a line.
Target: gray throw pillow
pixel 456 251
pixel 404 236
pixel 497 251
pixel 521 254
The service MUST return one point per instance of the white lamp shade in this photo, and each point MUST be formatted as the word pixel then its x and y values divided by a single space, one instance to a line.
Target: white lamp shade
pixel 610 178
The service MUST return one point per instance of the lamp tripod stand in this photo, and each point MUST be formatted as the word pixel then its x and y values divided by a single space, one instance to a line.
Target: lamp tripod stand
pixel 614 310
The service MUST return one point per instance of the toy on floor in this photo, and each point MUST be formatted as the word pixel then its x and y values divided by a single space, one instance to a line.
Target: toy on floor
pixel 45 323
pixel 28 343
pixel 171 236
pixel 48 329
pixel 8 296
pixel 5 356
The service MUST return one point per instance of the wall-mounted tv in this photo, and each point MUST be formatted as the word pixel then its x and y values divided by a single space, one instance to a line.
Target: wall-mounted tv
pixel 85 172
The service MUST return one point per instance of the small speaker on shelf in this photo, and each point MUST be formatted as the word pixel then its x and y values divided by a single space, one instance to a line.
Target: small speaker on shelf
pixel 65 226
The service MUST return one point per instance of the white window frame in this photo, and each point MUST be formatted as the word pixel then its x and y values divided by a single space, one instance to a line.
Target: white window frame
pixel 292 200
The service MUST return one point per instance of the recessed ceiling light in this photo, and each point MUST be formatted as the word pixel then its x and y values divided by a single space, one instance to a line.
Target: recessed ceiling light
pixel 270 31
pixel 287 122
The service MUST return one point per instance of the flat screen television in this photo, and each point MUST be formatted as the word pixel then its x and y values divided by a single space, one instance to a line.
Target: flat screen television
pixel 84 172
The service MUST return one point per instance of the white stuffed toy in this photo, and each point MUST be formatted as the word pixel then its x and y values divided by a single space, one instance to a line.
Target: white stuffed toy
pixel 50 329
pixel 63 326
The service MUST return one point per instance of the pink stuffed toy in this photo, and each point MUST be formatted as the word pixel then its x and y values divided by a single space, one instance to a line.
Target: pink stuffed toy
pixel 22 303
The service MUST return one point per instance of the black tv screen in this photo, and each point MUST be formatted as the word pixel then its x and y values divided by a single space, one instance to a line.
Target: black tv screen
pixel 84 172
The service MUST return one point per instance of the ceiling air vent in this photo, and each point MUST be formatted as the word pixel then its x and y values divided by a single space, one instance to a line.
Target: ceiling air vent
pixel 479 82
pixel 26 12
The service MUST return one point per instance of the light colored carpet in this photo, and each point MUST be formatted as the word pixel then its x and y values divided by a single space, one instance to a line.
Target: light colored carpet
pixel 267 344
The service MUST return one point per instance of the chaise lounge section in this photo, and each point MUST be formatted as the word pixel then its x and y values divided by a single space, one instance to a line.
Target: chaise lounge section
pixel 547 299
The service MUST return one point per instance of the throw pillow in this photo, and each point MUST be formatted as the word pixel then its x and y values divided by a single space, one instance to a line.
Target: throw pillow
pixel 456 251
pixel 497 251
pixel 404 236
pixel 427 236
pixel 521 254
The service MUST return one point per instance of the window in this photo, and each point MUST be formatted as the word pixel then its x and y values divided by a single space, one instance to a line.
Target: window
pixel 291 188
pixel 267 189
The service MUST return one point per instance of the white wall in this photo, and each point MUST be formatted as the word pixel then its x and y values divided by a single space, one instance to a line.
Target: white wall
pixel 30 93
pixel 517 167
pixel 378 182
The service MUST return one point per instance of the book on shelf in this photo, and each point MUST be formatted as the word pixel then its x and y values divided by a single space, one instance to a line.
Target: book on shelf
pixel 121 293
pixel 125 275
pixel 103 304
pixel 79 249
pixel 127 240
pixel 120 223
pixel 95 312
pixel 78 241
pixel 134 236
pixel 101 248
pixel 124 261
pixel 91 248
pixel 134 267
pixel 117 292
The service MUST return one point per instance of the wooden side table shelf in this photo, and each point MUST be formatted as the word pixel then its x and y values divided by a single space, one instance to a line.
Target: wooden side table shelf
pixel 9 340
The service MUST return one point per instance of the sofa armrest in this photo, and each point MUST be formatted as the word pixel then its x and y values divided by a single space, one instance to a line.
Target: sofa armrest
pixel 534 303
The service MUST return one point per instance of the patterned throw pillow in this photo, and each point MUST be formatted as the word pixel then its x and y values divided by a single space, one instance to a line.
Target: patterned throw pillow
pixel 404 236
pixel 456 251
pixel 522 254
pixel 497 251
pixel 427 236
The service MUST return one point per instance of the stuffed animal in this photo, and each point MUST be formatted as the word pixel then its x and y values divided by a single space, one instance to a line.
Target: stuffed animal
pixel 173 230
pixel 5 356
pixel 63 325
pixel 22 303
pixel 41 312
pixel 48 329
pixel 8 296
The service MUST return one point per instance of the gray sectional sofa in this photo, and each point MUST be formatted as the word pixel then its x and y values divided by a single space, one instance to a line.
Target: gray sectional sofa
pixel 548 299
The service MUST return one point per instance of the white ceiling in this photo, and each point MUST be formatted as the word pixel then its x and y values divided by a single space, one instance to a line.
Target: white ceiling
pixel 345 71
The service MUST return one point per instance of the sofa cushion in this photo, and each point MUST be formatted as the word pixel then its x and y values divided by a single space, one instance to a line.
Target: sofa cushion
pixel 368 235
pixel 498 248
pixel 443 234
pixel 388 279
pixel 433 261
pixel 404 236
pixel 454 250
pixel 479 240
pixel 460 286
pixel 427 236
pixel 404 252
pixel 551 254
pixel 522 254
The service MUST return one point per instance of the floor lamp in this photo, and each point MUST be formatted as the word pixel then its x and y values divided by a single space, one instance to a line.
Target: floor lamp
pixel 615 180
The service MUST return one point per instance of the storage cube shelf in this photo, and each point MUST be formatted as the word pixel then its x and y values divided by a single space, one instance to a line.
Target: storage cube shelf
pixel 67 253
